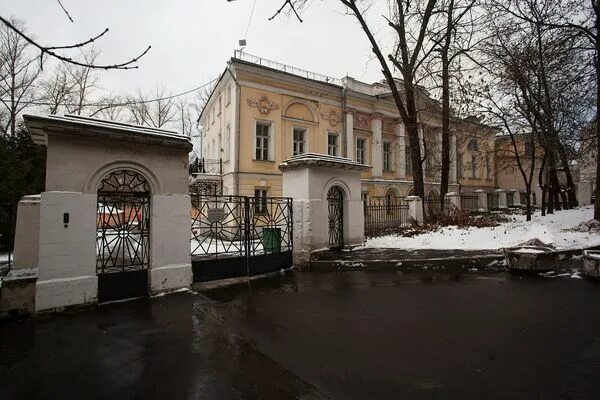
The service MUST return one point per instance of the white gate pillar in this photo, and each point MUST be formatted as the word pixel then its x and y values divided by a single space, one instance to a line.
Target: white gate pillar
pixel 307 178
pixel 415 209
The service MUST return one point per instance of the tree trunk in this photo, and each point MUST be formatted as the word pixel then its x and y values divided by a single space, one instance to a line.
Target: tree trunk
pixel 445 172
pixel 597 122
pixel 528 202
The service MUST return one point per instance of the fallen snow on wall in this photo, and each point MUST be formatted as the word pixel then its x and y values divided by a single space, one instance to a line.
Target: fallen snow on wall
pixel 551 229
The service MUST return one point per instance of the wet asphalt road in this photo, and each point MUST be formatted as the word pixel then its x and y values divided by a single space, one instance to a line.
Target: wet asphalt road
pixel 346 335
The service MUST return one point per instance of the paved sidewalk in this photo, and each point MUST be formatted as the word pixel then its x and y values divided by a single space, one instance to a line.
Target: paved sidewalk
pixel 390 259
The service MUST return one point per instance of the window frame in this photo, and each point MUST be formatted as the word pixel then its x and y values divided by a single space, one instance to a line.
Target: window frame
pixel 364 150
pixel 270 140
pixel 227 142
pixel 304 139
pixel 389 160
pixel 337 143
pixel 260 200
pixel 408 168
pixel 474 166
pixel 228 96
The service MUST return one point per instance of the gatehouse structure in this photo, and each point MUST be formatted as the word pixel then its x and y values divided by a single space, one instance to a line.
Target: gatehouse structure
pixel 114 219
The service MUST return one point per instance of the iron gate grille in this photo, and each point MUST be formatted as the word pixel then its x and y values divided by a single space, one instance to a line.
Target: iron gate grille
pixel 335 201
pixel 123 223
pixel 246 235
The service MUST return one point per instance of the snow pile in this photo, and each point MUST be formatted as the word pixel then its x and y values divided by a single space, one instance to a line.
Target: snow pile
pixel 555 230
pixel 592 225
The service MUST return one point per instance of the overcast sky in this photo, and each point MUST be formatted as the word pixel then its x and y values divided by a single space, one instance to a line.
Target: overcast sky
pixel 192 39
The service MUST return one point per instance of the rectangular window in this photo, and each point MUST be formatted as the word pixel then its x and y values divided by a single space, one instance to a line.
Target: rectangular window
pixel 260 201
pixel 227 143
pixel 527 148
pixel 220 105
pixel 387 156
pixel 473 166
pixel 361 150
pixel 408 161
pixel 262 141
pixel 488 166
pixel 227 95
pixel 299 140
pixel 332 144
pixel 459 166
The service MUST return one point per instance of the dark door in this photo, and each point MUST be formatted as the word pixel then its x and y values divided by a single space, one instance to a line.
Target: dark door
pixel 123 236
pixel 335 200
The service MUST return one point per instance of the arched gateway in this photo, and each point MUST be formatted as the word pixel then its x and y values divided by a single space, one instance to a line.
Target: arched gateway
pixel 335 202
pixel 123 235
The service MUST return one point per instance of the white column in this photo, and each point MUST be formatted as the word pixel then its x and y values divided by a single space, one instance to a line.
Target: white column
pixel 453 157
pixel 399 131
pixel 502 199
pixel 377 146
pixel 350 136
pixel 482 204
pixel 454 199
pixel 415 209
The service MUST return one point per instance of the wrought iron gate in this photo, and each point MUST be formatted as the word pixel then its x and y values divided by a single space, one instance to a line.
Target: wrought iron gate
pixel 123 236
pixel 335 201
pixel 235 236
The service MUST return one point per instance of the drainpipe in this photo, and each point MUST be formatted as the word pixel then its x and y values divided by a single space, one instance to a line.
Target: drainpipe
pixel 344 133
pixel 236 165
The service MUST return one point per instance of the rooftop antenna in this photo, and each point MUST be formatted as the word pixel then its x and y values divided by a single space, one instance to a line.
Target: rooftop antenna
pixel 242 44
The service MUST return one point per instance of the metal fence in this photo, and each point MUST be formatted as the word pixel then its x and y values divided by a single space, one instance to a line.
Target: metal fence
pixel 469 201
pixel 240 55
pixel 433 206
pixel 510 199
pixel 384 213
pixel 523 198
pixel 8 218
pixel 493 201
pixel 238 235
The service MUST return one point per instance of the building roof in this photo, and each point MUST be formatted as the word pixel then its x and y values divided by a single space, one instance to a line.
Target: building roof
pixel 40 126
pixel 322 160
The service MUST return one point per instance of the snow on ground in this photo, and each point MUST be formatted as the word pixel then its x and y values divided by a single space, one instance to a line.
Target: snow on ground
pixel 551 229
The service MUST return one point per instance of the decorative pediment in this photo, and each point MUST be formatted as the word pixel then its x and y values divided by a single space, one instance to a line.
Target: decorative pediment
pixel 333 116
pixel 264 105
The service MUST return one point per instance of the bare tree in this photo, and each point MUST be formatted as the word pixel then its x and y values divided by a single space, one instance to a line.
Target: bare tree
pixel 409 21
pixel 55 90
pixel 156 110
pixel 571 18
pixel 536 77
pixel 17 28
pixel 453 33
pixel 84 82
pixel 19 72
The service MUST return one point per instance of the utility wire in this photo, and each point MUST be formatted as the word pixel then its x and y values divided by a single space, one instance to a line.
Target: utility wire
pixel 41 103
pixel 250 19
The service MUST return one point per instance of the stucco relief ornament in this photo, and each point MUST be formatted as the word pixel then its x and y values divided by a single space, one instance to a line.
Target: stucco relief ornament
pixel 264 105
pixel 363 121
pixel 388 125
pixel 332 116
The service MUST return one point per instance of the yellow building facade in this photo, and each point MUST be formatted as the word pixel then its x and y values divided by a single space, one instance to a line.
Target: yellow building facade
pixel 262 113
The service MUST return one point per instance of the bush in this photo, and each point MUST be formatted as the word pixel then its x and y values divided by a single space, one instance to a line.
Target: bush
pixel 22 172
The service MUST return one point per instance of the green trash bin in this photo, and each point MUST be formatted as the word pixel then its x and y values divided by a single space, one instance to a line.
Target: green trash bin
pixel 271 238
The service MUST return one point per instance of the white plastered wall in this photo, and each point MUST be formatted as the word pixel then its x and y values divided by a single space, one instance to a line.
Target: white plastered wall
pixel 67 252
pixel 308 187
